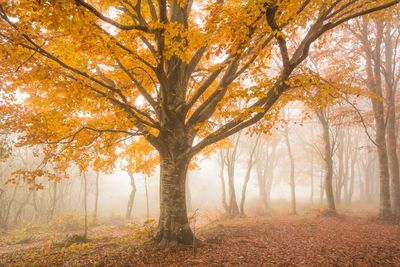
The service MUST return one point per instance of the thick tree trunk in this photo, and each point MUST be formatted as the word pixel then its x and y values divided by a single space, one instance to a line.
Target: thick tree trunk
pixel 188 195
pixel 173 224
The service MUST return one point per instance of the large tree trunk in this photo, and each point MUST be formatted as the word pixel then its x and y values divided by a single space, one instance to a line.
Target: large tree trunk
pixel 328 163
pixel 173 224
pixel 188 195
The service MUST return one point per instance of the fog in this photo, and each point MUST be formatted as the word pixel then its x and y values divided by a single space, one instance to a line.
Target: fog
pixel 204 183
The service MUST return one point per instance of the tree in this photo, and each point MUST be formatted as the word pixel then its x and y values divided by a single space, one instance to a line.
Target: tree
pixel 148 68
pixel 328 159
pixel 266 161
pixel 375 37
pixel 228 158
pixel 250 164
pixel 96 198
pixel 292 168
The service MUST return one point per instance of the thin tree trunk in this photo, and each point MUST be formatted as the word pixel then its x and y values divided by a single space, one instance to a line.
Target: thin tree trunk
pixel 292 180
pixel 85 205
pixel 21 207
pixel 231 156
pixel 221 176
pixel 147 198
pixel 233 206
pixel 54 200
pixel 321 187
pixel 328 163
pixel 131 200
pixel 6 217
pixel 96 199
pixel 312 178
pixel 250 164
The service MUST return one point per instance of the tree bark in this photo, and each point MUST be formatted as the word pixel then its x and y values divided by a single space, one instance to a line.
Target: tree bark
pixel 173 226
pixel 188 195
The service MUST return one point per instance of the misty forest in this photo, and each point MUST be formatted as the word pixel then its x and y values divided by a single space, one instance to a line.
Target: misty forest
pixel 199 133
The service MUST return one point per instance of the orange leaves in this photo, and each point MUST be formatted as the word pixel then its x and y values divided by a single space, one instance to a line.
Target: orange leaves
pixel 30 177
pixel 140 156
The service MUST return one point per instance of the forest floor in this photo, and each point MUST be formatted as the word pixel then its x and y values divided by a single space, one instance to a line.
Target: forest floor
pixel 308 239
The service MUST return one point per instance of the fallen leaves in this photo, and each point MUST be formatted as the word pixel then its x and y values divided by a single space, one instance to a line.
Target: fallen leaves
pixel 280 240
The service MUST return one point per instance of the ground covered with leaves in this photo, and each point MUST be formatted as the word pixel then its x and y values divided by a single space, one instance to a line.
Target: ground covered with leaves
pixel 274 240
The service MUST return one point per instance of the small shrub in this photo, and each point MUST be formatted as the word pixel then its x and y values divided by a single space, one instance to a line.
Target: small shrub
pixel 67 222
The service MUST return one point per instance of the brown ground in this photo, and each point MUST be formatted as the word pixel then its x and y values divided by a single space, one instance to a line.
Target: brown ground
pixel 278 240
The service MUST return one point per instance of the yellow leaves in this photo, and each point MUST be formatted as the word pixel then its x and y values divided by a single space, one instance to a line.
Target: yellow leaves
pixel 30 177
pixel 181 42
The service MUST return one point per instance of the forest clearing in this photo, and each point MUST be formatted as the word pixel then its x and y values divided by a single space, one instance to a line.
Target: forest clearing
pixel 199 132
pixel 278 239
